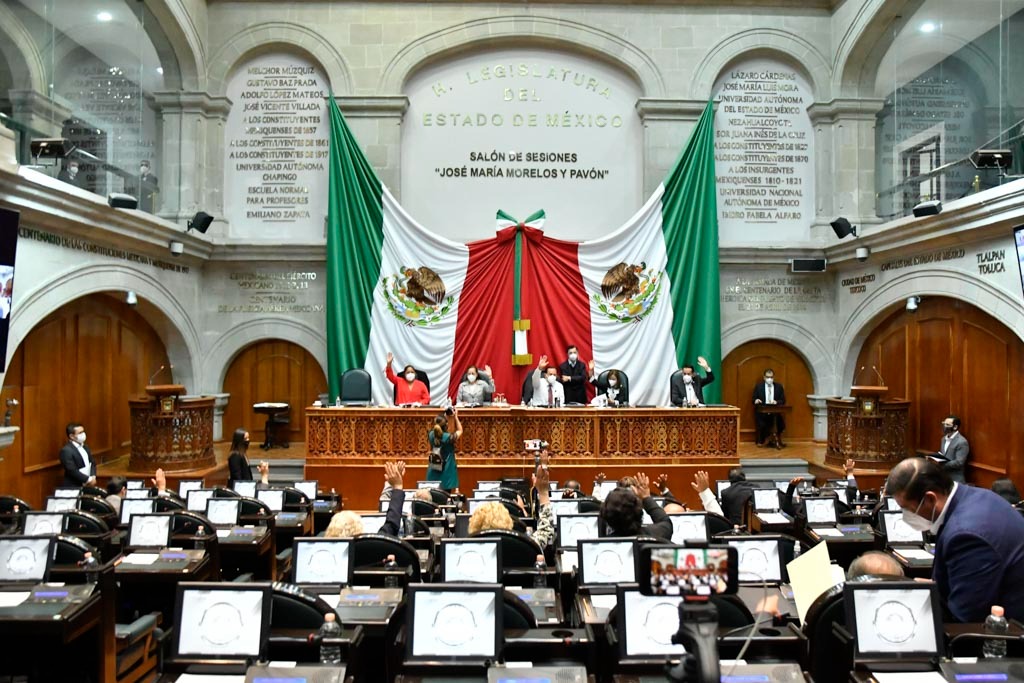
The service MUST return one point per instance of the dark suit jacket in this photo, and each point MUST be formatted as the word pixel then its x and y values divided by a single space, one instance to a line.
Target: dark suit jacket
pixel 393 520
pixel 238 468
pixel 699 382
pixel 760 391
pixel 72 461
pixel 576 387
pixel 979 556
pixel 734 500
pixel 956 456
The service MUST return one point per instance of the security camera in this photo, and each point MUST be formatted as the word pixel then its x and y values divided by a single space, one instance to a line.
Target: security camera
pixel 176 247
pixel 863 253
pixel 912 303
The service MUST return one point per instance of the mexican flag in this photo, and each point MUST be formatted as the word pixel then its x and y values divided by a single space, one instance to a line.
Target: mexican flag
pixel 644 299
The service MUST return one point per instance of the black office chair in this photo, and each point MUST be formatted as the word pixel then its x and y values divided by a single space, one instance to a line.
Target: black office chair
pixel 356 386
pixel 94 491
pixel 248 507
pixel 295 608
pixel 602 383
pixel 440 496
pixel 672 378
pixel 518 551
pixel 420 375
pixel 371 550
pixel 225 492
pixel 168 504
pixel 717 524
pixel 507 493
pixel 188 522
pixel 7 504
pixel 483 376
pixel 827 653
pixel 528 388
pixel 425 508
pixel 732 612
pixel 589 504
pixel 513 509
pixel 82 522
pixel 516 614
pixel 70 551
pixel 97 506
pixel 413 526
pixel 295 500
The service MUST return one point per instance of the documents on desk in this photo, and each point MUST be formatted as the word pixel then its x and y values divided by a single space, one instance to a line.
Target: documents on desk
pixel 773 518
pixel 141 559
pixel 13 599
pixel 909 677
pixel 604 601
pixel 914 554
pixel 210 678
pixel 828 531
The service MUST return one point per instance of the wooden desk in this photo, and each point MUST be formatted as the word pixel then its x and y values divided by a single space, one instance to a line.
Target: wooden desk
pixel 152 587
pixel 248 549
pixel 876 439
pixel 34 637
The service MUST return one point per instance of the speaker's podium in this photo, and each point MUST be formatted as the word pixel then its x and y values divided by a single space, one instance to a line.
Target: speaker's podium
pixel 867 427
pixel 170 430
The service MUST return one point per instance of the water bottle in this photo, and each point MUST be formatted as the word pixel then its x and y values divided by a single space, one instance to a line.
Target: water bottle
pixel 540 576
pixel 200 543
pixel 391 580
pixel 337 401
pixel 91 567
pixel 995 624
pixel 330 653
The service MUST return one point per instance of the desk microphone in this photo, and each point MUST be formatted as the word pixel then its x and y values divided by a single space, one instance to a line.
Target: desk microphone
pixel 879 375
pixel 158 371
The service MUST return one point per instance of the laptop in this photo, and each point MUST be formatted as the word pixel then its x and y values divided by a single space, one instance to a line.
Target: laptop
pixel 307 487
pixel 720 486
pixel 273 498
pixel 768 507
pixel 221 627
pixel 246 489
pixel 186 485
pixel 385 504
pixel 897 625
pixel 454 623
pixel 689 527
pixel 26 559
pixel 136 494
pixel 760 559
pixel 43 523
pixel 601 490
pixel 428 484
pixel 149 531
pixel 55 504
pixel 565 507
pixel 646 625
pixel 471 560
pixel 570 530
pixel 372 522
pixel 195 500
pixel 605 562
pixel 906 543
pixel 67 492
pixel 325 562
pixel 135 484
pixel 223 512
pixel 130 507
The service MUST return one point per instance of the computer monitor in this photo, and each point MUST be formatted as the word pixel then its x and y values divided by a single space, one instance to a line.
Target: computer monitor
pixel 428 484
pixel 67 492
pixel 372 522
pixel 196 499
pixel 385 504
pixel 150 530
pixel 454 622
pixel 486 493
pixel 462 524
pixel 720 486
pixel 244 488
pixel 759 559
pixel 274 498
pixel 222 621
pixel 25 559
pixel 766 500
pixel 186 485
pixel 606 561
pixel 43 523
pixel 565 507
pixel 322 560
pixel 601 490
pixel 646 625
pixel 130 507
pixel 891 504
pixel 898 531
pixel 893 620
pixel 61 504
pixel 474 560
pixel 223 511
pixel 689 526
pixel 488 485
pixel 133 484
pixel 136 494
pixel 842 493
pixel 475 503
pixel 575 528
pixel 820 510
pixel 308 488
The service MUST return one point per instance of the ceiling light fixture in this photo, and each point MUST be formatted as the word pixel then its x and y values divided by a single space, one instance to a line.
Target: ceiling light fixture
pixel 104 17
pixel 928 27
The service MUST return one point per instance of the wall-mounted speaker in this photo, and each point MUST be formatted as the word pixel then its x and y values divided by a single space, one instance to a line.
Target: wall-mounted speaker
pixel 808 265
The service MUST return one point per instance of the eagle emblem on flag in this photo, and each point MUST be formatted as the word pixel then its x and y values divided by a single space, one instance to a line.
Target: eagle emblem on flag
pixel 628 292
pixel 416 296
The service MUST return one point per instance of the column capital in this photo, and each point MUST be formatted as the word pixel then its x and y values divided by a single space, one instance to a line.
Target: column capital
pixel 658 109
pixel 384 107
pixel 845 109
pixel 182 102
pixel 37 104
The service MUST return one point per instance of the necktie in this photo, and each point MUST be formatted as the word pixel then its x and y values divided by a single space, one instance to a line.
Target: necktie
pixel 551 395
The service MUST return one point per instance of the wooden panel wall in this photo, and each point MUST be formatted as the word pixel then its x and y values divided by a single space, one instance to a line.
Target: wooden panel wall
pixel 952 357
pixel 271 370
pixel 745 366
pixel 81 363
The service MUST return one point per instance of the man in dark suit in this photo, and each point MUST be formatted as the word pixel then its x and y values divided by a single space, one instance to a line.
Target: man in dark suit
pixel 953 449
pixel 76 458
pixel 770 393
pixel 688 388
pixel 572 373
pixel 979 548
pixel 734 498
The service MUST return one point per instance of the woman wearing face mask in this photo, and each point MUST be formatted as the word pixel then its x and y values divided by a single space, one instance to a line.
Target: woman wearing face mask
pixel 442 466
pixel 238 464
pixel 476 388
pixel 410 391
pixel 616 391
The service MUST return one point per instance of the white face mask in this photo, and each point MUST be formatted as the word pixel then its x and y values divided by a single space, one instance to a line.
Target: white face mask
pixel 612 382
pixel 471 378
pixel 552 379
pixel 687 379
pixel 573 357
pixel 410 376
pixel 80 438
pixel 916 521
pixel 769 381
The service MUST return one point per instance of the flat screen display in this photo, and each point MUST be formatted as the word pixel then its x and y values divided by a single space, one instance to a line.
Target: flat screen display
pixel 186 485
pixel 63 504
pixel 23 558
pixel 131 506
pixel 898 531
pixel 149 531
pixel 322 560
pixel 606 562
pixel 649 624
pixel 454 624
pixel 221 623
pixel 575 528
pixel 766 499
pixel 307 487
pixel 43 523
pixel 895 621
pixel 196 499
pixel 689 526
pixel 758 560
pixel 1018 241
pixel 475 561
pixel 222 511
pixel 820 510
pixel 274 498
pixel 245 488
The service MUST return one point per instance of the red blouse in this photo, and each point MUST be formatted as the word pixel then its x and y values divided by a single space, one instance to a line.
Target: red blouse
pixel 417 393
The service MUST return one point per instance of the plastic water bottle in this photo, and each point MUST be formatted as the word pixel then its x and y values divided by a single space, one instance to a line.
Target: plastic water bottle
pixel 200 543
pixel 330 654
pixel 995 624
pixel 337 401
pixel 91 566
pixel 391 580
pixel 540 573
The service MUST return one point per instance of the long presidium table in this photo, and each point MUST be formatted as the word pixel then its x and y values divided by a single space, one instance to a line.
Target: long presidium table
pixel 345 447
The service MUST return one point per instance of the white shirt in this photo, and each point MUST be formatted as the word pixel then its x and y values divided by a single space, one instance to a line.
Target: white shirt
pixel 87 468
pixel 691 395
pixel 769 393
pixel 946 440
pixel 540 390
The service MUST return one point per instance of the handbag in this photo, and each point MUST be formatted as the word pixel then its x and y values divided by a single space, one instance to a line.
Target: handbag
pixel 435 463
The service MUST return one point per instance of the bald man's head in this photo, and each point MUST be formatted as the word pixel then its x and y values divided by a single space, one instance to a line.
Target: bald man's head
pixel 876 563
pixel 912 478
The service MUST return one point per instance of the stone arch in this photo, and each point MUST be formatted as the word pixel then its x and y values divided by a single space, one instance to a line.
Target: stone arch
pixel 219 356
pixel 183 37
pixel 500 31
pixel 157 304
pixel 864 44
pixel 20 51
pixel 764 42
pixel 994 300
pixel 270 36
pixel 802 341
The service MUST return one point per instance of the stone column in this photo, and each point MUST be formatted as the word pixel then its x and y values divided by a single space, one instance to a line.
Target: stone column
pixel 41 115
pixel 377 124
pixel 220 404
pixel 667 125
pixel 192 154
pixel 820 416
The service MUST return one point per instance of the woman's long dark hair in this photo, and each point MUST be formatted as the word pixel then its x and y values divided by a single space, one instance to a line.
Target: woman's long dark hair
pixel 238 443
pixel 438 430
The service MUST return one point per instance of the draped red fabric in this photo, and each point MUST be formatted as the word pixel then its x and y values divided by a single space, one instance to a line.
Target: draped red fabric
pixel 553 299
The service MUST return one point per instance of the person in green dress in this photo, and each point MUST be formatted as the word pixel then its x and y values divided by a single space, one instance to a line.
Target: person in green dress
pixel 442 466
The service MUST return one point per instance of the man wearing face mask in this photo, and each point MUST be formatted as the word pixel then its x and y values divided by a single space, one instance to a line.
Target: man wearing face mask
pixel 953 449
pixel 979 547
pixel 688 387
pixel 573 376
pixel 76 458
pixel 770 393
pixel 149 186
pixel 547 390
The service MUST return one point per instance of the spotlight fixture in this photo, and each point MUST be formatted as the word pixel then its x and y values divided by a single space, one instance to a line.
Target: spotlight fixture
pixel 929 208
pixel 131 298
pixel 992 158
pixel 176 247
pixel 842 228
pixel 200 222
pixel 912 303
pixel 119 200
pixel 863 254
